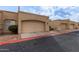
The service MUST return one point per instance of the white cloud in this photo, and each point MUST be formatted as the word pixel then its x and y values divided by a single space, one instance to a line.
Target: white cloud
pixel 46 7
pixel 75 17
pixel 71 12
pixel 68 9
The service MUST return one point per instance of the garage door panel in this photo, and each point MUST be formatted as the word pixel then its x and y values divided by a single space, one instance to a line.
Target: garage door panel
pixel 32 26
pixel 64 26
pixel 72 26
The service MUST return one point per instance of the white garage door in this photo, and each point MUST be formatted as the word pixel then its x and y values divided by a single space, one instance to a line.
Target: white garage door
pixel 32 26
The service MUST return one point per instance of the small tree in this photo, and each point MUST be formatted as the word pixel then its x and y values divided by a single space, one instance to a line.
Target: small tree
pixel 13 29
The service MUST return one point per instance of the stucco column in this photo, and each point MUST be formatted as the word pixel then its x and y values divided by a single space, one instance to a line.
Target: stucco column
pixel 46 26
pixel 2 22
pixel 69 25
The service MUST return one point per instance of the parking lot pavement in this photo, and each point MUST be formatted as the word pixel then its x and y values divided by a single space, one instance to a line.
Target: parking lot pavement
pixel 68 42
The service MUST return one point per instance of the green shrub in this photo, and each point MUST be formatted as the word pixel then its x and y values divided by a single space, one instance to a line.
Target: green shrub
pixel 51 28
pixel 13 29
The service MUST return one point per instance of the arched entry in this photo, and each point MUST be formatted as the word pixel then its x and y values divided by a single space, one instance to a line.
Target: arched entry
pixel 8 23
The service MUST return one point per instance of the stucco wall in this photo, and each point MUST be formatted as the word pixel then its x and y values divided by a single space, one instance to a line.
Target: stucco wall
pixel 30 16
pixel 9 15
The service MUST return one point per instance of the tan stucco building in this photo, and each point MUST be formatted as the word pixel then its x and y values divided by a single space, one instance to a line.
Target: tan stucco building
pixel 27 22
pixel 65 24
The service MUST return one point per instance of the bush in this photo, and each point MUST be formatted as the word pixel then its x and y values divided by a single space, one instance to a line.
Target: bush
pixel 13 29
pixel 51 28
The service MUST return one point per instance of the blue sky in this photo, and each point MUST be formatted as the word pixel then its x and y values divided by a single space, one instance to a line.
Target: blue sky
pixel 8 8
pixel 54 12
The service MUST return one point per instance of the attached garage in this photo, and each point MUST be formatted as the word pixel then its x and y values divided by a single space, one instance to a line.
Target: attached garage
pixel 64 26
pixel 72 26
pixel 32 26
